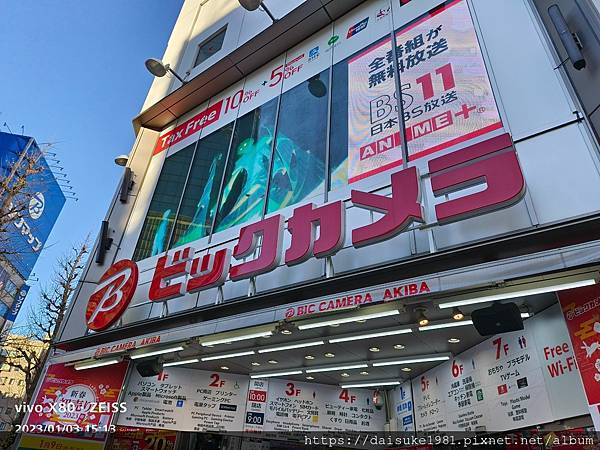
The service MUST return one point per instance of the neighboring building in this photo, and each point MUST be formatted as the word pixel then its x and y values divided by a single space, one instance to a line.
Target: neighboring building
pixel 283 261
pixel 38 204
pixel 12 379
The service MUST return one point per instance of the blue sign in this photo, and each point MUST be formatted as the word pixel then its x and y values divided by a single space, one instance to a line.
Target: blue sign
pixel 11 314
pixel 407 420
pixel 39 202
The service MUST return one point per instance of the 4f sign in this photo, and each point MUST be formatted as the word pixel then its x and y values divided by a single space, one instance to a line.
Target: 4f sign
pixel 112 296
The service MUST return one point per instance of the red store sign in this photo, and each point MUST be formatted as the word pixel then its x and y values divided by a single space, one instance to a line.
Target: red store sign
pixel 493 161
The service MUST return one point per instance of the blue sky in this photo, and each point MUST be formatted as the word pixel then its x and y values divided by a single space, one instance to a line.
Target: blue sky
pixel 73 73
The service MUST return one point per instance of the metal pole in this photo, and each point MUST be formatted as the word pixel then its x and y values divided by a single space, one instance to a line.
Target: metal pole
pixel 398 81
pixel 177 76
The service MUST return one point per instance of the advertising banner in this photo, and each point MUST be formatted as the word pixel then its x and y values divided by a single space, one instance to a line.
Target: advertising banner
pixel 446 94
pixel 299 407
pixel 39 202
pixel 126 438
pixel 186 400
pixel 508 381
pixel 11 314
pixel 77 404
pixel 39 442
pixel 581 308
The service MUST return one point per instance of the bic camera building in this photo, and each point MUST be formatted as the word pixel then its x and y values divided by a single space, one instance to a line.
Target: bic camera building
pixel 299 252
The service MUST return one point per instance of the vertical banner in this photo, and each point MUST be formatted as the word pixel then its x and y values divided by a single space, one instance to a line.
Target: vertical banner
pixel 446 93
pixel 77 405
pixel 256 405
pixel 581 308
pixel 403 407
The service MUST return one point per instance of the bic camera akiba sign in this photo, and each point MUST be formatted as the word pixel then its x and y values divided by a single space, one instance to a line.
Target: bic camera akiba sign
pixel 493 161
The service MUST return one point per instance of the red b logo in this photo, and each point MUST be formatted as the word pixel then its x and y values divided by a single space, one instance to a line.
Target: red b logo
pixel 112 296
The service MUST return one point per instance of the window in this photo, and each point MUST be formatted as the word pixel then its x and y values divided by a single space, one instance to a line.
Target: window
pixel 210 46
pixel 299 158
pixel 163 207
pixel 248 167
pixel 199 202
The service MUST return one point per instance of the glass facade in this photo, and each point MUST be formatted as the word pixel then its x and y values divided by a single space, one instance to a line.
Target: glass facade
pixel 331 128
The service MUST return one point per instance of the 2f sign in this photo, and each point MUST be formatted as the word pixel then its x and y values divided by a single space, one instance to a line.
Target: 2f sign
pixel 216 381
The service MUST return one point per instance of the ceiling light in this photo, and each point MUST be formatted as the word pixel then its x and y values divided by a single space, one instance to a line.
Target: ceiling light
pixel 520 293
pixel 96 363
pixel 324 323
pixel 344 374
pixel 329 355
pixel 526 315
pixel 157 352
pixel 374 349
pixel 286 331
pixel 361 321
pixel 276 374
pixel 337 368
pixel 454 340
pixel 399 347
pixel 291 346
pixel 181 363
pixel 414 360
pixel 457 314
pixel 438 326
pixel 227 355
pixel 255 363
pixel 364 372
pixel 406 369
pixel 370 335
pixel 309 357
pixel 310 378
pixel 371 384
pixel 272 361
pixel 422 319
pixel 237 338
pixel 224 368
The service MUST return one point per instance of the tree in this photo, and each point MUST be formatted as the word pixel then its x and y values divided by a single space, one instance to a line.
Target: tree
pixel 44 320
pixel 16 175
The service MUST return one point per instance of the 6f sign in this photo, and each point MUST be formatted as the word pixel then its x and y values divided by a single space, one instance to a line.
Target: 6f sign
pixel 112 296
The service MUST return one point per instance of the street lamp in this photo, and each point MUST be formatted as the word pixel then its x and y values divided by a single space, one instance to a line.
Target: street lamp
pixel 253 5
pixel 157 68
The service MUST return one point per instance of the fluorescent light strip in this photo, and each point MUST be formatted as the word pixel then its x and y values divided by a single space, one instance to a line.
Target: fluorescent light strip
pixel 438 326
pixel 228 355
pixel 276 374
pixel 335 368
pixel 181 363
pixel 291 346
pixel 369 336
pixel 157 352
pixel 372 384
pixel 237 338
pixel 98 363
pixel 327 323
pixel 522 293
pixel 411 361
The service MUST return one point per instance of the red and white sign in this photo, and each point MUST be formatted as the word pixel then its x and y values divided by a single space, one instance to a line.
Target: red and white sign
pixel 581 308
pixel 493 161
pixel 189 127
pixel 75 403
pixel 356 299
pixel 131 438
pixel 112 296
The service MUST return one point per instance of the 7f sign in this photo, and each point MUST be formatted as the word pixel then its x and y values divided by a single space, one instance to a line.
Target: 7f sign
pixel 493 161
